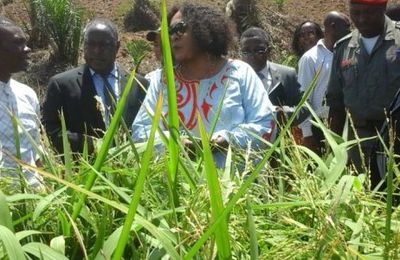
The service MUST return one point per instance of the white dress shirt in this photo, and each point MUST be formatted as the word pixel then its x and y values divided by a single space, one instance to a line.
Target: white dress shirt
pixel 315 59
pixel 19 100
pixel 266 78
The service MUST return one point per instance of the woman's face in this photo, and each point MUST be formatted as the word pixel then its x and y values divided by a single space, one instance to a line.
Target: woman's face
pixel 308 37
pixel 182 43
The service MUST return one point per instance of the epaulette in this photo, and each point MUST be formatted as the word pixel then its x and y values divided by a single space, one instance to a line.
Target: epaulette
pixel 341 40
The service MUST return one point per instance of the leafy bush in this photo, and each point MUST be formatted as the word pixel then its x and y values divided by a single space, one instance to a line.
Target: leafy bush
pixel 38 37
pixel 62 20
pixel 138 49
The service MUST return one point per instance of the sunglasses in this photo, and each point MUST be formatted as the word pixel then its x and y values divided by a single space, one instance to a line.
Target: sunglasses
pixel 178 28
pixel 253 53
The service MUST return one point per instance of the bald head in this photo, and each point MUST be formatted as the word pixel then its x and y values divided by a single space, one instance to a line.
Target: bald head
pixel 100 45
pixel 337 25
pixel 101 24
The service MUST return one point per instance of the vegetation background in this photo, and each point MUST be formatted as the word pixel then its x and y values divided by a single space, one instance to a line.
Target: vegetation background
pixel 278 18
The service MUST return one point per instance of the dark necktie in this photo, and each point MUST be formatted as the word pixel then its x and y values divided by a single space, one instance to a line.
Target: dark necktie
pixel 109 94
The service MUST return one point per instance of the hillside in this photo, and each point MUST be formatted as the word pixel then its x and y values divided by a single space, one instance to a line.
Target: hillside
pixel 279 22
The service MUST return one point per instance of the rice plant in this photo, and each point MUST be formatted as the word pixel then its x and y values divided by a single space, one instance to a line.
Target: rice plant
pixel 134 202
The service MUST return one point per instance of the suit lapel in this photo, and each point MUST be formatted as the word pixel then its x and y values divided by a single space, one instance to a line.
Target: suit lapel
pixel 275 76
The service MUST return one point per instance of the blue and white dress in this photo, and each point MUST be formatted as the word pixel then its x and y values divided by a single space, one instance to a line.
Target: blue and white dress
pixel 246 110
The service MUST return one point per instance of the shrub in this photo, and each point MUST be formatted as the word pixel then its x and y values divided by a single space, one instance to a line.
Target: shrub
pixel 63 22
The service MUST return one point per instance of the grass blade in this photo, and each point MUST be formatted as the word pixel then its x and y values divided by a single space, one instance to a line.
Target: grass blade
pixel 5 216
pixel 252 231
pixel 173 118
pixel 11 244
pixel 145 162
pixel 214 187
pixel 101 156
pixel 43 251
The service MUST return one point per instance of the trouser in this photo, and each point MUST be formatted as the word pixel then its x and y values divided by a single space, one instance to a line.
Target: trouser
pixel 362 154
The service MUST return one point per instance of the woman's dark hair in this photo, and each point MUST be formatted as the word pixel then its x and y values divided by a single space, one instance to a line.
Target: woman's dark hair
pixel 212 32
pixel 295 43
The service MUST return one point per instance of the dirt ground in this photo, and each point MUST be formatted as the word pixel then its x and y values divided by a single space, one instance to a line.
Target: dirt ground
pixel 280 23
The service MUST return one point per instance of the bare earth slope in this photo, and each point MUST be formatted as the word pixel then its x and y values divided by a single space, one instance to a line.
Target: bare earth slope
pixel 280 22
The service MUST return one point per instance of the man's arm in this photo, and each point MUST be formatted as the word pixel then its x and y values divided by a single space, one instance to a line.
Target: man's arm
pixel 334 96
pixel 51 119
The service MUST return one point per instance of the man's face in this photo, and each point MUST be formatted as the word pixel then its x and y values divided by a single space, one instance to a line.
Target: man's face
pixel 13 50
pixel 342 28
pixel 254 51
pixel 100 49
pixel 368 19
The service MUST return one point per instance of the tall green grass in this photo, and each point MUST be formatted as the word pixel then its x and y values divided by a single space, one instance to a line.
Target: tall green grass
pixel 134 203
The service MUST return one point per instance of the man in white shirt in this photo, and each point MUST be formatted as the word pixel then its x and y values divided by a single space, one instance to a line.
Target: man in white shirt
pixel 17 101
pixel 318 61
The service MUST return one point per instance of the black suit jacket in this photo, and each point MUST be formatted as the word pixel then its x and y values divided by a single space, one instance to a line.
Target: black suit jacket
pixel 73 92
pixel 284 90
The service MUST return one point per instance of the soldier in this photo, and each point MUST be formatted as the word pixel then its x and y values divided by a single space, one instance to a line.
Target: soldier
pixel 365 75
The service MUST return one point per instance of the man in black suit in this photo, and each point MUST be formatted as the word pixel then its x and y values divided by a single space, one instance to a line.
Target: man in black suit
pixel 86 95
pixel 279 81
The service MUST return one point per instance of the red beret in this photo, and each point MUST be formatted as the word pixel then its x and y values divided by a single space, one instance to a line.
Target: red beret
pixel 369 2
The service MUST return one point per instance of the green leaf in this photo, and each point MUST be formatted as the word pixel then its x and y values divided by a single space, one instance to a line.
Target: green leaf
pixel 107 140
pixel 58 244
pixel 5 216
pixel 11 244
pixel 173 117
pixel 66 147
pixel 43 251
pixel 45 202
pixel 252 231
pixel 26 233
pixel 145 163
pixel 216 201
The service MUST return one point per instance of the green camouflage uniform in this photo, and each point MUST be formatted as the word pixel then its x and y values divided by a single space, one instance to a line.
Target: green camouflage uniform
pixel 365 84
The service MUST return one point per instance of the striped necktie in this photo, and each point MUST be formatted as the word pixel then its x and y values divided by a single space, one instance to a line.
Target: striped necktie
pixel 109 95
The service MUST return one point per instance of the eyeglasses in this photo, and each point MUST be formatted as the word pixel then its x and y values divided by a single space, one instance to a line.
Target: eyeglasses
pixel 178 28
pixel 253 53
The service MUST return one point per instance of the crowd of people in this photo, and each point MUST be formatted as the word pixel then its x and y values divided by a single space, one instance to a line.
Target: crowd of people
pixel 356 74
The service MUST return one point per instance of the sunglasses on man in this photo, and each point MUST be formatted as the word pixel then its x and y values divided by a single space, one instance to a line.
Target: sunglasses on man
pixel 253 53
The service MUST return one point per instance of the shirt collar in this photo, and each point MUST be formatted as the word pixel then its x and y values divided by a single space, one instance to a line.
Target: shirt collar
pixel 264 70
pixel 322 45
pixel 5 84
pixel 113 73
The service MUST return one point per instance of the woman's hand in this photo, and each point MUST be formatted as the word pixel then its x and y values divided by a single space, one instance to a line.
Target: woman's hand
pixel 219 143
